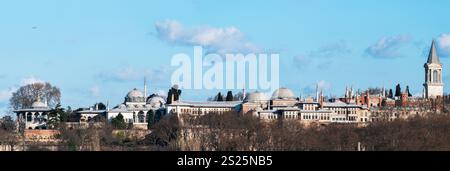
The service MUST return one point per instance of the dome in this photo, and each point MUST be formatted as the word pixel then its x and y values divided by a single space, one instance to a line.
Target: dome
pixel 135 93
pixel 38 104
pixel 283 93
pixel 122 106
pixel 135 96
pixel 255 97
pixel 156 101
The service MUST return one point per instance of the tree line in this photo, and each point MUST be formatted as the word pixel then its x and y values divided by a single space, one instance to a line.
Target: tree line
pixel 237 132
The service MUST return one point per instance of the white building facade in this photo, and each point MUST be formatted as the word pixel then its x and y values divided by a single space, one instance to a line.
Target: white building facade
pixel 433 86
pixel 35 117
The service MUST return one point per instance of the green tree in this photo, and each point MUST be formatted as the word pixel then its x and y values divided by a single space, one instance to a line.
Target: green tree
pixel 398 91
pixel 57 115
pixel 175 92
pixel 150 119
pixel 229 96
pixel 100 106
pixel 118 122
pixel 219 97
pixel 407 90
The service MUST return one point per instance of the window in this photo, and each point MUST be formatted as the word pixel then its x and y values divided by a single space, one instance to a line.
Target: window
pixel 36 117
pixel 141 117
pixel 435 76
pixel 29 117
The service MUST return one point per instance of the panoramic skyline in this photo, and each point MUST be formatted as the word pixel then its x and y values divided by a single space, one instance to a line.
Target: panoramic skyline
pixel 98 51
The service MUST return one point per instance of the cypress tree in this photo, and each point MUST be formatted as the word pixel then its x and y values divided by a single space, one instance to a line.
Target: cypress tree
pixel 219 97
pixel 229 96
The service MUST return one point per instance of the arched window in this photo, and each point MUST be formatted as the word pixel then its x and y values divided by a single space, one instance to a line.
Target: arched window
pixel 29 117
pixel 141 117
pixel 36 117
pixel 435 76
pixel 440 76
pixel 429 76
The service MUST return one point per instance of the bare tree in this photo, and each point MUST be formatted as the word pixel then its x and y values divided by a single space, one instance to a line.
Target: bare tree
pixel 8 135
pixel 165 134
pixel 26 95
pixel 79 138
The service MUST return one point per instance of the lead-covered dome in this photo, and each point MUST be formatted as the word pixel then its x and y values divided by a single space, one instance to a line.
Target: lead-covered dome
pixel 135 93
pixel 135 96
pixel 255 97
pixel 156 101
pixel 283 93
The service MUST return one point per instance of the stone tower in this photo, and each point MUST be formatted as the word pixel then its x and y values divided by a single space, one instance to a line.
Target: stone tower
pixel 433 85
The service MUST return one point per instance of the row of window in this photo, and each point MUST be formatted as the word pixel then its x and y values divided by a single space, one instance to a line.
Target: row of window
pixel 338 119
pixel 309 107
pixel 344 110
pixel 199 111
pixel 37 116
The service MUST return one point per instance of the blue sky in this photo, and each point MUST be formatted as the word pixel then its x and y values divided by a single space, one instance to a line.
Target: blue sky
pixel 99 50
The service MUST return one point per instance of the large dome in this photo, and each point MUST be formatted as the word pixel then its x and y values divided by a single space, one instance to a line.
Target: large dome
pixel 135 93
pixel 255 97
pixel 283 93
pixel 156 101
pixel 135 96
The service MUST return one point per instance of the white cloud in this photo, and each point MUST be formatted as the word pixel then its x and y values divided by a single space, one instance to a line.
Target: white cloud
pixel 443 42
pixel 388 47
pixel 221 40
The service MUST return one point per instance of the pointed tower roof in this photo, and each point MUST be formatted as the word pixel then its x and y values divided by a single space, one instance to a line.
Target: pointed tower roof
pixel 433 57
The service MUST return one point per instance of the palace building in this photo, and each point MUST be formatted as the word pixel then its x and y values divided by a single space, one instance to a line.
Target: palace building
pixel 285 106
pixel 360 107
pixel 35 117
pixel 137 107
